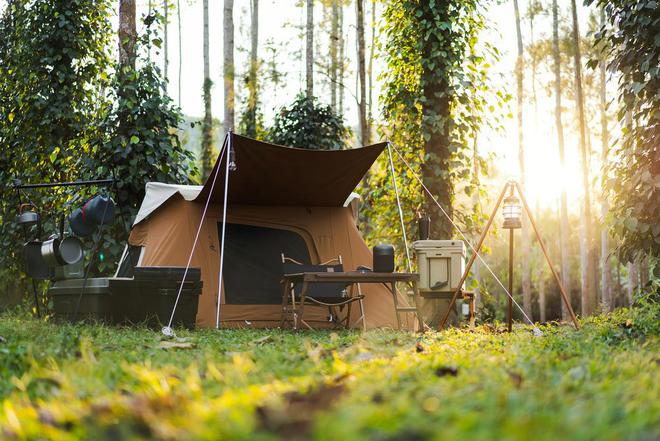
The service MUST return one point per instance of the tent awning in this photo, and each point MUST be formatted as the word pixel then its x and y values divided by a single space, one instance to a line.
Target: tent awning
pixel 269 174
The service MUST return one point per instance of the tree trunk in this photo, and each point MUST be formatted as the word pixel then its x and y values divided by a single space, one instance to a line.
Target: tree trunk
pixel 606 271
pixel 563 222
pixel 334 39
pixel 370 70
pixel 526 270
pixel 341 42
pixel 309 50
pixel 207 128
pixel 166 61
pixel 127 33
pixel 633 280
pixel 149 9
pixel 362 97
pixel 228 65
pixel 476 209
pixel 254 67
pixel 588 294
pixel 178 20
pixel 436 144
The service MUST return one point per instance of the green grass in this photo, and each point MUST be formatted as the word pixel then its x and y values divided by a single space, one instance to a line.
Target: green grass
pixel 94 382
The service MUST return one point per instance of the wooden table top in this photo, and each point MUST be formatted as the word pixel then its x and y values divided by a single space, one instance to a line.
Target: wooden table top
pixel 352 277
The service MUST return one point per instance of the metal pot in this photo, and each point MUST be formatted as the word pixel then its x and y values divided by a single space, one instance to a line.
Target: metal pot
pixel 70 251
pixel 50 252
pixel 27 218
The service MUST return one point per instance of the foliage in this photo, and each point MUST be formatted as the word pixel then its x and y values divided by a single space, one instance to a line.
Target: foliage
pixel 60 108
pixel 141 143
pixel 306 123
pixel 251 122
pixel 631 46
pixel 53 60
pixel 433 57
pixel 95 382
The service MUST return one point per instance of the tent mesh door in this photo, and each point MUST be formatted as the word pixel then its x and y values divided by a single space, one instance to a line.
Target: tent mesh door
pixel 253 263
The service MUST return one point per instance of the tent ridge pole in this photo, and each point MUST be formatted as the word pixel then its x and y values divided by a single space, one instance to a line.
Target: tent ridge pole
pixel 224 223
pixel 398 204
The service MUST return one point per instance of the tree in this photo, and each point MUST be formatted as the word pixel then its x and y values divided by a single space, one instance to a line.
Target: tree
pixel 309 50
pixel 207 124
pixel 629 42
pixel 434 96
pixel 178 20
pixel 166 60
pixel 588 293
pixel 228 65
pixel 127 33
pixel 606 272
pixel 342 61
pixel 334 44
pixel 365 137
pixel 310 125
pixel 250 121
pixel 526 270
pixel 563 230
pixel 54 60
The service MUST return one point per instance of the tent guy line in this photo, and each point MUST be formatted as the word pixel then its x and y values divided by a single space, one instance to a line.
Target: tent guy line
pixel 537 331
pixel 168 329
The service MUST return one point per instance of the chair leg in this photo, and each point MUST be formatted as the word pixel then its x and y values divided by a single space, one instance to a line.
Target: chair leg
pixel 303 293
pixel 285 304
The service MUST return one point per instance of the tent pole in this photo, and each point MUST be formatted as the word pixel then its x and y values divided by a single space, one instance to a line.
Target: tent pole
pixel 224 223
pixel 167 330
pixel 398 204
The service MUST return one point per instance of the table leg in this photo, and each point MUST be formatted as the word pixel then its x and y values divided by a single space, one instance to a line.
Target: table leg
pixel 472 312
pixel 396 305
pixel 418 314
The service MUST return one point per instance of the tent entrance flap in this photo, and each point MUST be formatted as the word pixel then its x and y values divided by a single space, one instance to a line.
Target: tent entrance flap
pixel 253 264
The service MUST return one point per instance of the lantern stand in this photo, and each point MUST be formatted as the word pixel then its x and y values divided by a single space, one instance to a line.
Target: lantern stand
pixel 512 221
pixel 512 212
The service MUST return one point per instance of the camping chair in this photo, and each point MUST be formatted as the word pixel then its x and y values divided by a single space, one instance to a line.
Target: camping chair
pixel 333 295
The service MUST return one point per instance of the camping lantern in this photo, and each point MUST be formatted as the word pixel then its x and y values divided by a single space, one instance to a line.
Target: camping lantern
pixel 512 212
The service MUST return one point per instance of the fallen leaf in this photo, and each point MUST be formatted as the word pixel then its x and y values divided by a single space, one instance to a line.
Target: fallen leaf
pixel 516 379
pixel 262 340
pixel 175 345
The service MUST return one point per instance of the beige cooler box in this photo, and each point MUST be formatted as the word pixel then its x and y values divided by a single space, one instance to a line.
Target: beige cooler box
pixel 440 264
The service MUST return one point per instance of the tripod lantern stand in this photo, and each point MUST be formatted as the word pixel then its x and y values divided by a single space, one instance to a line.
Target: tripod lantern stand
pixel 512 212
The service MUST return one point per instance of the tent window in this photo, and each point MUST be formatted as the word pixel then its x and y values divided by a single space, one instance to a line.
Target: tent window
pixel 253 265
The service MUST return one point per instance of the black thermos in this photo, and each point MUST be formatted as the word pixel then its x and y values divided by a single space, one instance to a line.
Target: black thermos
pixel 384 258
pixel 424 227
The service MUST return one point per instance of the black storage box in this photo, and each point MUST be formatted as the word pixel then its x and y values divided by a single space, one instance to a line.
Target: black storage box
pixel 149 296
pixel 96 301
pixel 383 258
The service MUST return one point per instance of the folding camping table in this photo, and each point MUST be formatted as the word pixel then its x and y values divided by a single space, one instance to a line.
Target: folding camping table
pixel 350 277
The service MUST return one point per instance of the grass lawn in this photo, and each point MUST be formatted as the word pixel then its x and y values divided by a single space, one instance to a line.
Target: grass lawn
pixel 102 383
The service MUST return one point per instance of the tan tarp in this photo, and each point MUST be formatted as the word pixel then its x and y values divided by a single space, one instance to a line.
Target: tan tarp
pixel 269 174
pixel 168 235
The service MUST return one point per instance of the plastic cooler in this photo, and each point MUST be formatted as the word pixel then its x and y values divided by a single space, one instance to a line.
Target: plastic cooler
pixel 441 264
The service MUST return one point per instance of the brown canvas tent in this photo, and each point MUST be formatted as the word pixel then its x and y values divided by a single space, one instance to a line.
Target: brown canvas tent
pixel 280 200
